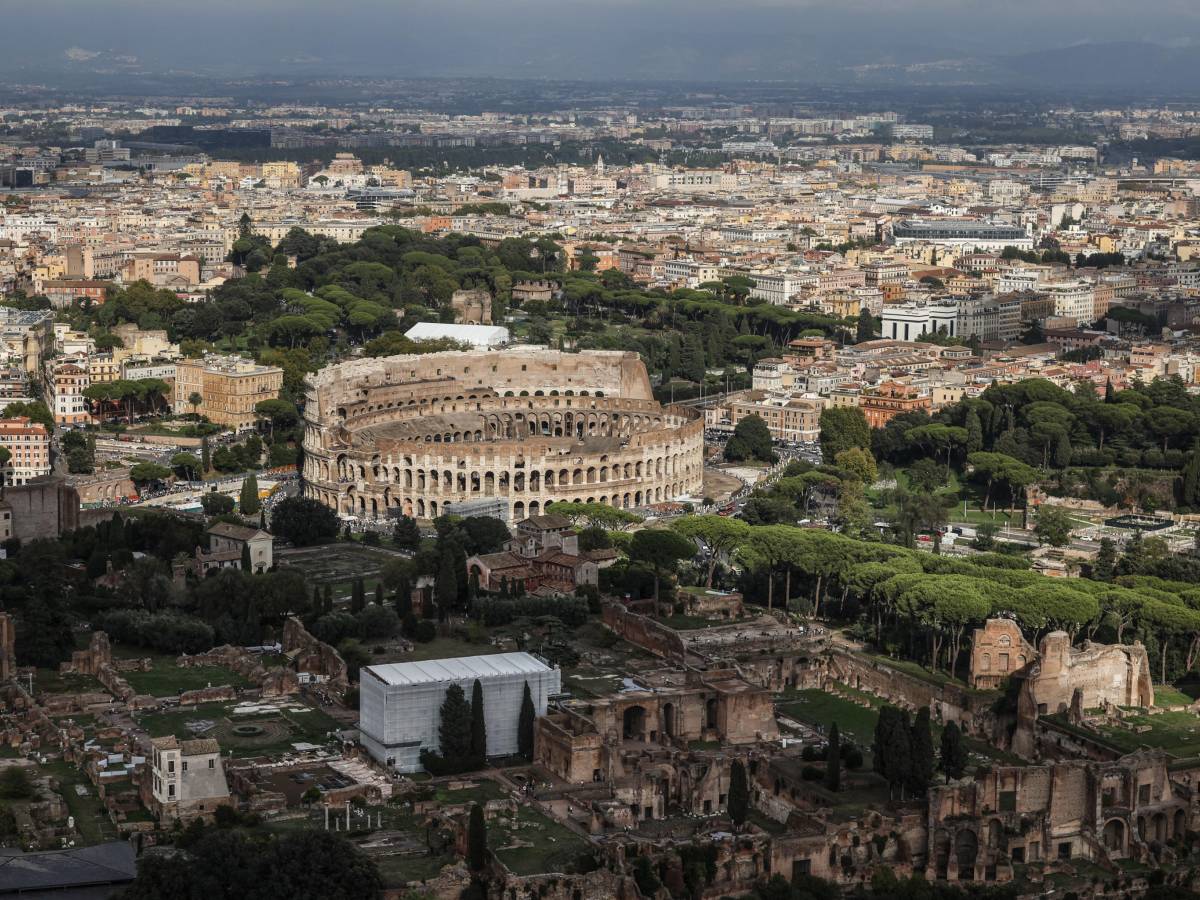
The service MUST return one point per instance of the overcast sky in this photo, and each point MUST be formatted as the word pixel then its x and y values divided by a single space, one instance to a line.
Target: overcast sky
pixel 565 38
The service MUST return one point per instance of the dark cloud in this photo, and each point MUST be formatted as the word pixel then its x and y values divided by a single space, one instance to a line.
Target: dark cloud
pixel 810 39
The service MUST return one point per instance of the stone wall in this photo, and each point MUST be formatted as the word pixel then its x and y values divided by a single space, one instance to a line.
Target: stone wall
pixel 274 682
pixel 946 702
pixel 97 661
pixel 44 508
pixel 644 632
pixel 8 653
pixel 311 655
pixel 1069 810
pixel 1116 674
pixel 998 649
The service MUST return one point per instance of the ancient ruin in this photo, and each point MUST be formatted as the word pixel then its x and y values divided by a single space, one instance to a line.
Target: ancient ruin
pixel 527 426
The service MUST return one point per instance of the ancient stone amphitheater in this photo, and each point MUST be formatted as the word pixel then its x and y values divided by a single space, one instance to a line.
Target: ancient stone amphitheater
pixel 526 426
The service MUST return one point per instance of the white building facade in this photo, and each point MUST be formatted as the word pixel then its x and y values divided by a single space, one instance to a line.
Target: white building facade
pixel 400 703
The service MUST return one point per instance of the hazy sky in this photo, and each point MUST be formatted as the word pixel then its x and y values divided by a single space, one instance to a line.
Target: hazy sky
pixel 565 38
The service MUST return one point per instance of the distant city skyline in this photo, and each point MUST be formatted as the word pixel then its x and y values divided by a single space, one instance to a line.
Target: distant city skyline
pixel 913 41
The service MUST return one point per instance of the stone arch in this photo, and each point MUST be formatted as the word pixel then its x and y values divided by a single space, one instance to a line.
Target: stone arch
pixel 1159 827
pixel 1114 836
pixel 633 723
pixel 711 712
pixel 941 855
pixel 668 719
pixel 519 511
pixel 966 850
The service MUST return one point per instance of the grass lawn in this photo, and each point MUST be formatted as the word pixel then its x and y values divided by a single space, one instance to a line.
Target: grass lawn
pixel 910 667
pixel 819 708
pixel 285 727
pixel 1165 695
pixel 401 870
pixel 446 647
pixel 968 491
pixel 555 847
pixel 50 681
pixel 815 707
pixel 90 818
pixel 167 681
pixel 483 791
pixel 1178 733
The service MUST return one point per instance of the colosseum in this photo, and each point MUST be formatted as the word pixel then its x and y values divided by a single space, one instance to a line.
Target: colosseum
pixel 528 426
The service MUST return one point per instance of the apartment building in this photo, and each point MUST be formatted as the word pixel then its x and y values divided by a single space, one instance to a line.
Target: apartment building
pixel 777 288
pixel 27 335
pixel 28 444
pixel 1074 300
pixel 65 383
pixel 883 403
pixel 694 181
pixel 62 292
pixel 169 270
pixel 788 418
pixel 990 318
pixel 228 386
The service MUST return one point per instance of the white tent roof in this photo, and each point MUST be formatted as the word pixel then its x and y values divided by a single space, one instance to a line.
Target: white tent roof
pixel 476 335
pixel 458 669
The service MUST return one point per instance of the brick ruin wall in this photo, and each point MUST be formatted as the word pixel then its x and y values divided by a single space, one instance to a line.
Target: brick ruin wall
pixel 314 656
pixel 644 632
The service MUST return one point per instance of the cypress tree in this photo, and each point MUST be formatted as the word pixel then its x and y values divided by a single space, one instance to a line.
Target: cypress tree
pixel 833 760
pixel 262 519
pixel 358 596
pixel 525 724
pixel 454 732
pixel 1109 393
pixel 379 593
pixel 445 588
pixel 246 557
pixel 954 753
pixel 458 557
pixel 476 839
pixel 1191 480
pixel 738 801
pixel 403 598
pixel 205 461
pixel 974 432
pixel 478 726
pixel 1106 561
pixel 900 764
pixel 921 743
pixel 892 748
pixel 328 598
pixel 882 739
pixel 248 501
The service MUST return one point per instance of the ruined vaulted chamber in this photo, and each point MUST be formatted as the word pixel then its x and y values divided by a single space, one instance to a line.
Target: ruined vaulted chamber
pixel 522 427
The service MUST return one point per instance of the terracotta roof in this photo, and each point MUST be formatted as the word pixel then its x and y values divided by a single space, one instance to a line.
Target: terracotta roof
pixel 236 532
pixel 200 746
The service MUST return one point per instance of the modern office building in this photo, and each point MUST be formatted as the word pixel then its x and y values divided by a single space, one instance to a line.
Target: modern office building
pixel 965 234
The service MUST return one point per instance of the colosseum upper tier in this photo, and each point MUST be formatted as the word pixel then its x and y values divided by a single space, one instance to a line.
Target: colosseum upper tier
pixel 529 426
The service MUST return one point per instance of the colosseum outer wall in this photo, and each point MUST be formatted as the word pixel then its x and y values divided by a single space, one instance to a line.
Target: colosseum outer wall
pixel 419 434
